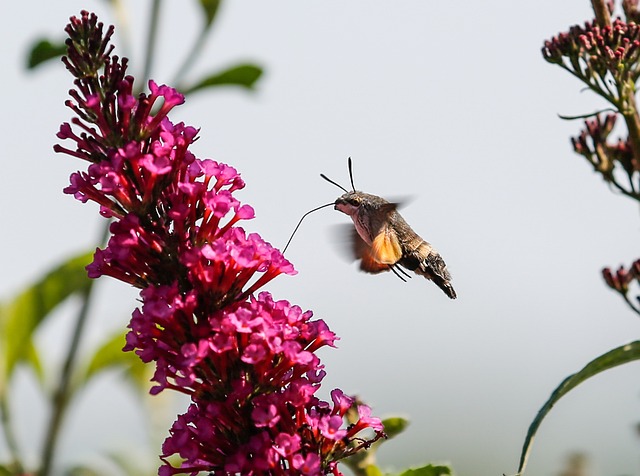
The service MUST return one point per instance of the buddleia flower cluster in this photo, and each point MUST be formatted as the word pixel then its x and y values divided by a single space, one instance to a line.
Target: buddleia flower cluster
pixel 605 55
pixel 247 361
pixel 614 159
pixel 607 59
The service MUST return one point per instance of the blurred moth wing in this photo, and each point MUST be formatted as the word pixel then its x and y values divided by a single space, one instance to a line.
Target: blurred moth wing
pixel 363 252
pixel 385 247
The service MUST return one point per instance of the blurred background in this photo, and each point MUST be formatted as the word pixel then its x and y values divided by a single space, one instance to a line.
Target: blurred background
pixel 449 104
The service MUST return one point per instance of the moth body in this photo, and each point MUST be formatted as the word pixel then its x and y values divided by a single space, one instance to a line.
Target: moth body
pixel 382 240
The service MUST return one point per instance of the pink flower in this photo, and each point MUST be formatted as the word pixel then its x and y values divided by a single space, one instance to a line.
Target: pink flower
pixel 247 362
pixel 307 465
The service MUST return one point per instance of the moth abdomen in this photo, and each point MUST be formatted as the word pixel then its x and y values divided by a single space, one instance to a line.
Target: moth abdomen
pixel 426 261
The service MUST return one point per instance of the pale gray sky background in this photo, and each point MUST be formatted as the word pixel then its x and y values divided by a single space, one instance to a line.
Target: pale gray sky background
pixel 449 103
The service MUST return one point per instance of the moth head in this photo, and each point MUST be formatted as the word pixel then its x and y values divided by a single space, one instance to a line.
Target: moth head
pixel 349 202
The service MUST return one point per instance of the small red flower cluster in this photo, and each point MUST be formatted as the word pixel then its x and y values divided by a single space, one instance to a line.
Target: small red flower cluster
pixel 248 363
pixel 607 59
pixel 622 278
pixel 591 51
pixel 604 155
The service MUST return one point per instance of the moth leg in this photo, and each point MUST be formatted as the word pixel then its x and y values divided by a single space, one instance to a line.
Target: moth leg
pixel 395 270
pixel 399 268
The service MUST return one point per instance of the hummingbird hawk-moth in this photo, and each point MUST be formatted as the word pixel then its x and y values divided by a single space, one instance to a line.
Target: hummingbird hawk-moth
pixel 383 241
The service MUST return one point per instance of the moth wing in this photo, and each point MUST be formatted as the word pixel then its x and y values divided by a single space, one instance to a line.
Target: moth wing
pixel 386 248
pixel 388 208
pixel 362 251
pixel 396 203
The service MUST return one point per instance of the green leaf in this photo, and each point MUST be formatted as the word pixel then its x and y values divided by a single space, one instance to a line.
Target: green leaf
pixel 210 9
pixel 364 461
pixel 131 462
pixel 44 50
pixel 586 116
pixel 373 470
pixel 428 470
pixel 82 471
pixel 621 355
pixel 394 426
pixel 32 356
pixel 20 317
pixel 4 471
pixel 243 75
pixel 110 355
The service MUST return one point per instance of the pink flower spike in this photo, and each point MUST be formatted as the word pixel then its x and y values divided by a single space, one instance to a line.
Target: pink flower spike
pixel 246 361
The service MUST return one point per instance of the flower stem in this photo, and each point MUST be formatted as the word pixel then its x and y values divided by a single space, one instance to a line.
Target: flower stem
pixel 62 394
pixel 124 26
pixel 151 42
pixel 9 436
pixel 603 17
pixel 631 118
pixel 630 304
pixel 631 194
pixel 191 57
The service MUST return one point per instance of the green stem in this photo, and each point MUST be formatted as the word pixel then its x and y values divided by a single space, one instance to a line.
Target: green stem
pixel 358 471
pixel 630 114
pixel 621 189
pixel 628 301
pixel 123 27
pixel 62 394
pixel 632 185
pixel 151 42
pixel 191 57
pixel 10 438
pixel 608 97
pixel 603 17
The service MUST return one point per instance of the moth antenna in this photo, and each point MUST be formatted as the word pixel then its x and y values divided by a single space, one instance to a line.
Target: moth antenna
pixel 300 223
pixel 351 174
pixel 334 183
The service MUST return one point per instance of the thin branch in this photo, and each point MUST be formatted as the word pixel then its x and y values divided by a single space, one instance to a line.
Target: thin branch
pixel 192 56
pixel 632 120
pixel 596 89
pixel 61 396
pixel 10 438
pixel 630 303
pixel 124 27
pixel 632 185
pixel 624 191
pixel 151 42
